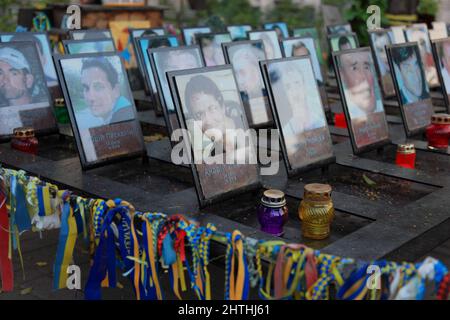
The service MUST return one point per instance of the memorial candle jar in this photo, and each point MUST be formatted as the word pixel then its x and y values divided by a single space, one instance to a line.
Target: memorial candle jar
pixel 438 132
pixel 316 211
pixel 62 116
pixel 272 212
pixel 339 120
pixel 24 140
pixel 406 156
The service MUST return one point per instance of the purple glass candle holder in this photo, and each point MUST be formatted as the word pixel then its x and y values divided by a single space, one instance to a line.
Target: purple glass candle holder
pixel 272 212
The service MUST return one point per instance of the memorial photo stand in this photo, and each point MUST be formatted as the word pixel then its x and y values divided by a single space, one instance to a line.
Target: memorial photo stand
pixel 416 115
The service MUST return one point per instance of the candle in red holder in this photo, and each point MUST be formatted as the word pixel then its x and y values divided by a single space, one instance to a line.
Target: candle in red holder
pixel 438 132
pixel 406 156
pixel 24 140
pixel 339 120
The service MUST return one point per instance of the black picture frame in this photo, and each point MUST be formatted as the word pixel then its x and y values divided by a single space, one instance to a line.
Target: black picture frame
pixel 52 128
pixel 86 165
pixel 148 85
pixel 156 30
pixel 322 88
pixel 225 47
pixel 55 89
pixel 279 53
pixel 438 60
pixel 339 35
pixel 160 94
pixel 374 145
pixel 200 36
pixel 347 26
pixel 203 201
pixel 284 36
pixel 67 43
pixel 410 131
pixel 291 169
pixel 249 27
pixel 386 93
pixel 186 29
pixel 90 31
pixel 133 39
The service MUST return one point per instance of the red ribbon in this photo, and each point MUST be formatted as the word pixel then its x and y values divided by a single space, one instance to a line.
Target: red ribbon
pixel 6 268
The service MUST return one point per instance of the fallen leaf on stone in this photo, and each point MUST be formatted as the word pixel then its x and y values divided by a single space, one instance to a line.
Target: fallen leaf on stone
pixel 26 291
pixel 119 285
pixel 41 263
pixel 369 181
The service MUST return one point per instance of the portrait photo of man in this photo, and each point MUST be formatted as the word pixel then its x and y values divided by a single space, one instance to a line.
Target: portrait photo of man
pixel 171 60
pixel 212 112
pixel 245 61
pixel 102 100
pixel 360 85
pixel 189 34
pixel 280 28
pixel 409 73
pixel 19 86
pixel 379 41
pixel 24 96
pixel 43 48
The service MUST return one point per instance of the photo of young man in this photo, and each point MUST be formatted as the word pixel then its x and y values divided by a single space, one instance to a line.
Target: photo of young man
pixel 102 94
pixel 211 45
pixel 270 40
pixel 24 97
pixel 245 61
pixel 443 49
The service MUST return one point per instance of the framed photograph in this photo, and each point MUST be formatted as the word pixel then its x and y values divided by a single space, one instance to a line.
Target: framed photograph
pixel 210 110
pixel 270 40
pixel 189 34
pixel 24 96
pixel 301 46
pixel 361 99
pixel 101 108
pixel 150 42
pixel 239 32
pixel 298 112
pixel 439 30
pixel 244 56
pixel 398 34
pixel 419 34
pixel 341 28
pixel 441 50
pixel 412 89
pixel 345 41
pixel 40 39
pixel 90 34
pixel 311 32
pixel 88 46
pixel 139 32
pixel 379 39
pixel 280 28
pixel 163 60
pixel 211 45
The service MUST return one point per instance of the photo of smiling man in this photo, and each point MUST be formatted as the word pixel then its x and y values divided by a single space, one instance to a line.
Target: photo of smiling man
pixel 101 92
pixel 362 96
pixel 24 97
pixel 101 106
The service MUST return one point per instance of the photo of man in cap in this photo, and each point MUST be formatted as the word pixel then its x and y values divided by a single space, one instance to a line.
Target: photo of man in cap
pixel 16 79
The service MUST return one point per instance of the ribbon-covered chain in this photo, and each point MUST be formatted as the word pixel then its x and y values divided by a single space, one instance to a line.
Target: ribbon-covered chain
pixel 237 284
